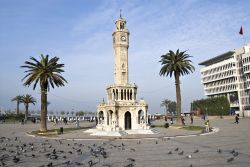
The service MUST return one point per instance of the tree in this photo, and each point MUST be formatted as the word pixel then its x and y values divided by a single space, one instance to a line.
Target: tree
pixel 165 104
pixel 26 100
pixel 80 113
pixel 176 64
pixel 17 99
pixel 212 106
pixel 62 113
pixel 46 72
pixel 51 112
pixel 172 107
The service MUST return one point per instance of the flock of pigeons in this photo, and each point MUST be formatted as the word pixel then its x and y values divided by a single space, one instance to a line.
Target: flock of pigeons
pixel 16 152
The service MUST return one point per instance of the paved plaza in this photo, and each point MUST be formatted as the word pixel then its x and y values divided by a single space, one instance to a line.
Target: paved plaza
pixel 230 146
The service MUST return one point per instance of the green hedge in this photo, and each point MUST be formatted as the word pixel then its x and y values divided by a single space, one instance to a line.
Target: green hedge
pixel 12 117
pixel 212 106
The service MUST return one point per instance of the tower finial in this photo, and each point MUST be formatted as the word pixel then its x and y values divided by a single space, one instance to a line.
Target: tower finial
pixel 120 13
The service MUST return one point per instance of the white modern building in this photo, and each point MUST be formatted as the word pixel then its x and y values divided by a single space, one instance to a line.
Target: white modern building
pixel 228 75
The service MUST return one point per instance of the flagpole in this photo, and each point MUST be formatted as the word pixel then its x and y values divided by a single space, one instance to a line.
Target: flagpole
pixel 244 40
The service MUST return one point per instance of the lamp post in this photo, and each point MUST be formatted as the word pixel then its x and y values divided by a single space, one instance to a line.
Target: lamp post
pixel 221 112
pixel 205 113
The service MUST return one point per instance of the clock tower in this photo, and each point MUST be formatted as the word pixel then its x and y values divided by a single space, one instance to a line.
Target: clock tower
pixel 121 111
pixel 120 45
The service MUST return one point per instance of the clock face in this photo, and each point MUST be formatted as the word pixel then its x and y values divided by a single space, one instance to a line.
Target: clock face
pixel 123 38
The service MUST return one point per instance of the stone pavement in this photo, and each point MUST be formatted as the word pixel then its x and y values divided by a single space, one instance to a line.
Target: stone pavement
pixel 232 140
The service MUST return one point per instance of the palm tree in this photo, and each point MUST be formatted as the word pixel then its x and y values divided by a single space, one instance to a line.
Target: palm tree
pixel 26 100
pixel 48 73
pixel 17 99
pixel 178 64
pixel 165 104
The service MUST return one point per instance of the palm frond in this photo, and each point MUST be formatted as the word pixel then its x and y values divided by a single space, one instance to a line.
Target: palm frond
pixel 176 62
pixel 45 71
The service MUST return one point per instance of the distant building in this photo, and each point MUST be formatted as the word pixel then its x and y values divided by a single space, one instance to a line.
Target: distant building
pixel 228 75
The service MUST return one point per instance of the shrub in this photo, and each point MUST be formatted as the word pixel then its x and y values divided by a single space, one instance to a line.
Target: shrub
pixel 12 117
pixel 212 106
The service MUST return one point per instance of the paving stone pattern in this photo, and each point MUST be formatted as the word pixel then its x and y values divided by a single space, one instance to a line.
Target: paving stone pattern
pixel 228 147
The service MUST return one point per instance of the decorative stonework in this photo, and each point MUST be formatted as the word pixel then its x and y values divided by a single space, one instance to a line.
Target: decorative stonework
pixel 121 111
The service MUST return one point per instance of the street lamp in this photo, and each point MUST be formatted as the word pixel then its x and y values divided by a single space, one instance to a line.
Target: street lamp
pixel 205 113
pixel 221 112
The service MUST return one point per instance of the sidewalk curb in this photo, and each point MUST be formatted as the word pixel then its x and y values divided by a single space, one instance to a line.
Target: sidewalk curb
pixel 214 130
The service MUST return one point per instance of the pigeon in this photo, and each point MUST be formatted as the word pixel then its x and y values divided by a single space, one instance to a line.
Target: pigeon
pixel 90 163
pixel 189 156
pixel 50 164
pixel 47 155
pixel 181 153
pixel 15 159
pixel 233 151
pixel 170 152
pixel 2 163
pixel 196 151
pixel 230 159
pixel 131 159
pixel 132 149
pixel 176 149
pixel 54 156
pixel 156 142
pixel 67 162
pixel 219 151
pixel 104 154
pixel 129 165
pixel 235 154
pixel 78 164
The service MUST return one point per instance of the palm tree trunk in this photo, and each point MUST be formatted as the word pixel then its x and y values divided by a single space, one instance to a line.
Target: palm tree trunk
pixel 43 123
pixel 17 108
pixel 26 111
pixel 178 98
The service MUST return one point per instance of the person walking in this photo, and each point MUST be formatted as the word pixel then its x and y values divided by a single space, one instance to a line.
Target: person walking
pixel 65 121
pixel 191 118
pixel 207 126
pixel 172 120
pixel 237 119
pixel 182 120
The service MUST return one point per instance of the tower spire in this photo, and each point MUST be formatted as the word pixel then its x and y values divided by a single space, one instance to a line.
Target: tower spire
pixel 120 13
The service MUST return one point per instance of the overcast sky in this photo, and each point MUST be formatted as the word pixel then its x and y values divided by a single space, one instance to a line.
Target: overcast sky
pixel 79 32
